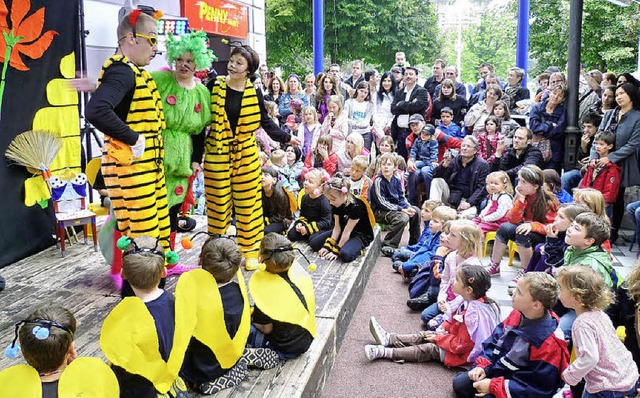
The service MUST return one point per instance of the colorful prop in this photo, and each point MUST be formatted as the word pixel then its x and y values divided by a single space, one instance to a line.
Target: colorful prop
pixel 34 149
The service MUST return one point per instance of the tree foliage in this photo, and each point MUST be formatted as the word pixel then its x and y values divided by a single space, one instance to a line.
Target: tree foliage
pixel 492 41
pixel 609 35
pixel 371 30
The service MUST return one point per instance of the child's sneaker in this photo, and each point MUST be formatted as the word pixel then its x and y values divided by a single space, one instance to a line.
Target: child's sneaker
pixel 419 303
pixel 262 358
pixel 373 352
pixel 494 269
pixel 387 251
pixel 381 336
pixel 514 281
pixel 396 265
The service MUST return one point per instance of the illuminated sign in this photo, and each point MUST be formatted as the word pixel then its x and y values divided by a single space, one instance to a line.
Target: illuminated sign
pixel 174 26
pixel 221 17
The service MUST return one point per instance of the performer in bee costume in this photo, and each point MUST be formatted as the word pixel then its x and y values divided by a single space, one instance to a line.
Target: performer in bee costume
pixel 127 108
pixel 53 368
pixel 284 316
pixel 187 111
pixel 231 164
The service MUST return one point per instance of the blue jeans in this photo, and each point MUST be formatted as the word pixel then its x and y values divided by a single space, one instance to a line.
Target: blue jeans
pixel 571 179
pixel 425 173
pixel 610 394
pixel 430 312
pixel 403 254
pixel 634 211
pixel 257 339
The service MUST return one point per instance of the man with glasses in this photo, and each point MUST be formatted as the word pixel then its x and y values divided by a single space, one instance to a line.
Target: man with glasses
pixel 451 72
pixel 460 179
pixel 127 108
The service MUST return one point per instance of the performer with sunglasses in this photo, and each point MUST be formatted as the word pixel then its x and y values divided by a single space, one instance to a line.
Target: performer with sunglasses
pixel 127 108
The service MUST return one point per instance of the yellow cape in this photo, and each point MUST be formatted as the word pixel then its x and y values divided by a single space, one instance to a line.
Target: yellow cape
pixel 273 295
pixel 130 341
pixel 202 291
pixel 84 377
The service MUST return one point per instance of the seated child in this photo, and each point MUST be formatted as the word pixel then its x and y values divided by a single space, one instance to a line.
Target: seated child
pixel 46 342
pixel 390 206
pixel 146 336
pixel 352 226
pixel 594 200
pixel 490 138
pixel 295 118
pixel 315 210
pixel 275 203
pixel 322 157
pixel 423 158
pixel 360 183
pixel 448 126
pixel 469 321
pixel 499 201
pixel 308 129
pixel 623 311
pixel 523 357
pixel 284 314
pixel 605 179
pixel 601 359
pixel 213 359
pixel 465 242
pixel 289 174
pixel 508 125
pixel 405 253
pixel 387 146
pixel 278 159
pixel 554 185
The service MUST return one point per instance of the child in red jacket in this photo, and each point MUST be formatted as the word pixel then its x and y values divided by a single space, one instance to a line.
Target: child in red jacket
pixel 606 178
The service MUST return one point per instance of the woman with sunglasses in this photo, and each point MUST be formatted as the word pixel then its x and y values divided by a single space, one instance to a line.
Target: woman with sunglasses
pixel 187 111
pixel 231 164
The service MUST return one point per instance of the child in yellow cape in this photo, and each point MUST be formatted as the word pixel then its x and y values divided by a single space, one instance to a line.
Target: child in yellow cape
pixel 284 313
pixel 53 370
pixel 145 337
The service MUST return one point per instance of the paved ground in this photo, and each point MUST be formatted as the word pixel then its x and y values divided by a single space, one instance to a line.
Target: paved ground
pixel 384 297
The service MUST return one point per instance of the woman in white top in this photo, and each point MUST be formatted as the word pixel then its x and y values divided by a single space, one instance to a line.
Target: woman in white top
pixel 359 109
pixel 382 116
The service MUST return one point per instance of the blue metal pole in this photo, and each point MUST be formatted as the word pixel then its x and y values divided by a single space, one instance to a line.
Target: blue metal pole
pixel 522 46
pixel 318 37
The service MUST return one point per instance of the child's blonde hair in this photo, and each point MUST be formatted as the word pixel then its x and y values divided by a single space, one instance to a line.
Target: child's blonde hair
pixel 47 355
pixel 143 262
pixel 278 157
pixel 593 199
pixel 336 100
pixel 277 253
pixel 542 287
pixel 504 178
pixel 357 140
pixel 264 158
pixel 633 283
pixel 444 213
pixel 573 210
pixel 272 108
pixel 309 110
pixel 221 257
pixel 471 236
pixel 360 161
pixel 314 175
pixel 431 204
pixel 338 185
pixel 586 285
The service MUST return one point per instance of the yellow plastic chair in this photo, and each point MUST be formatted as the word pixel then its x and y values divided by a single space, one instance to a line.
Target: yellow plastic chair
pixel 513 249
pixel 488 237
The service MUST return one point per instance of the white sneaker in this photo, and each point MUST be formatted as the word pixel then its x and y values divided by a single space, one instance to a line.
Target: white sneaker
pixel 373 352
pixel 519 275
pixel 379 334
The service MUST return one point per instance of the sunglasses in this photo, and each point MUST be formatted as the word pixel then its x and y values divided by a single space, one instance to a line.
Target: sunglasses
pixel 151 39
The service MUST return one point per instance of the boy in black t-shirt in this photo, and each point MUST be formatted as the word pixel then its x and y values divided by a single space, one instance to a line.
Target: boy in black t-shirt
pixel 284 313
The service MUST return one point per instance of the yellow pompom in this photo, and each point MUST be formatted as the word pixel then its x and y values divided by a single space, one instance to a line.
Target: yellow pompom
pixel 262 266
pixel 312 267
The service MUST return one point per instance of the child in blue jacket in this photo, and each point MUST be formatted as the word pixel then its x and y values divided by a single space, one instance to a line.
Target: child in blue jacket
pixel 405 253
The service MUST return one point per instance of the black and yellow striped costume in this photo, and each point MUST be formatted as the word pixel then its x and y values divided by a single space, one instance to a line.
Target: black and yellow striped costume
pixel 137 191
pixel 232 170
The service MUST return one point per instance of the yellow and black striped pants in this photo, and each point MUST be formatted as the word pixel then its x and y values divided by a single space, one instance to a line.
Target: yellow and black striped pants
pixel 232 176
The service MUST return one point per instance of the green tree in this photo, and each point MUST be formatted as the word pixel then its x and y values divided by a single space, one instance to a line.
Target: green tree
pixel 491 41
pixel 609 35
pixel 371 30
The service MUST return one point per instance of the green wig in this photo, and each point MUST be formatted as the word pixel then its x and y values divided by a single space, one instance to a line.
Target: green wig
pixel 195 43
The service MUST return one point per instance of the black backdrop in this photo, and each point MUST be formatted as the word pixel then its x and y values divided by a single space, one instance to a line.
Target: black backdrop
pixel 27 230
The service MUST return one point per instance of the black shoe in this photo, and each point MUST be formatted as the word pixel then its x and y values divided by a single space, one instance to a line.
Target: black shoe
pixel 396 265
pixel 1 283
pixel 387 251
pixel 419 303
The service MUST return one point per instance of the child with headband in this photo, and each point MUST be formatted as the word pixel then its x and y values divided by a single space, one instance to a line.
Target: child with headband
pixel 46 342
pixel 145 337
pixel 284 316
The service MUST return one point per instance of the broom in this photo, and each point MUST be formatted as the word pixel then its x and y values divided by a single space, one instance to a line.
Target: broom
pixel 34 149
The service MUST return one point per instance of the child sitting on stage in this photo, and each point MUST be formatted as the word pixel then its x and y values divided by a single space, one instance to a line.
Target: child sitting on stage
pixel 315 210
pixel 46 342
pixel 145 336
pixel 284 315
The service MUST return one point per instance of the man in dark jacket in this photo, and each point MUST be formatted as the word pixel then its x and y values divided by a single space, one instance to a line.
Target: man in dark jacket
pixel 522 154
pixel 408 101
pixel 460 181
pixel 435 79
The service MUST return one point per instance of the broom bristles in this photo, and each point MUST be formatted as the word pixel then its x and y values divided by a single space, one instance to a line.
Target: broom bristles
pixel 34 148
